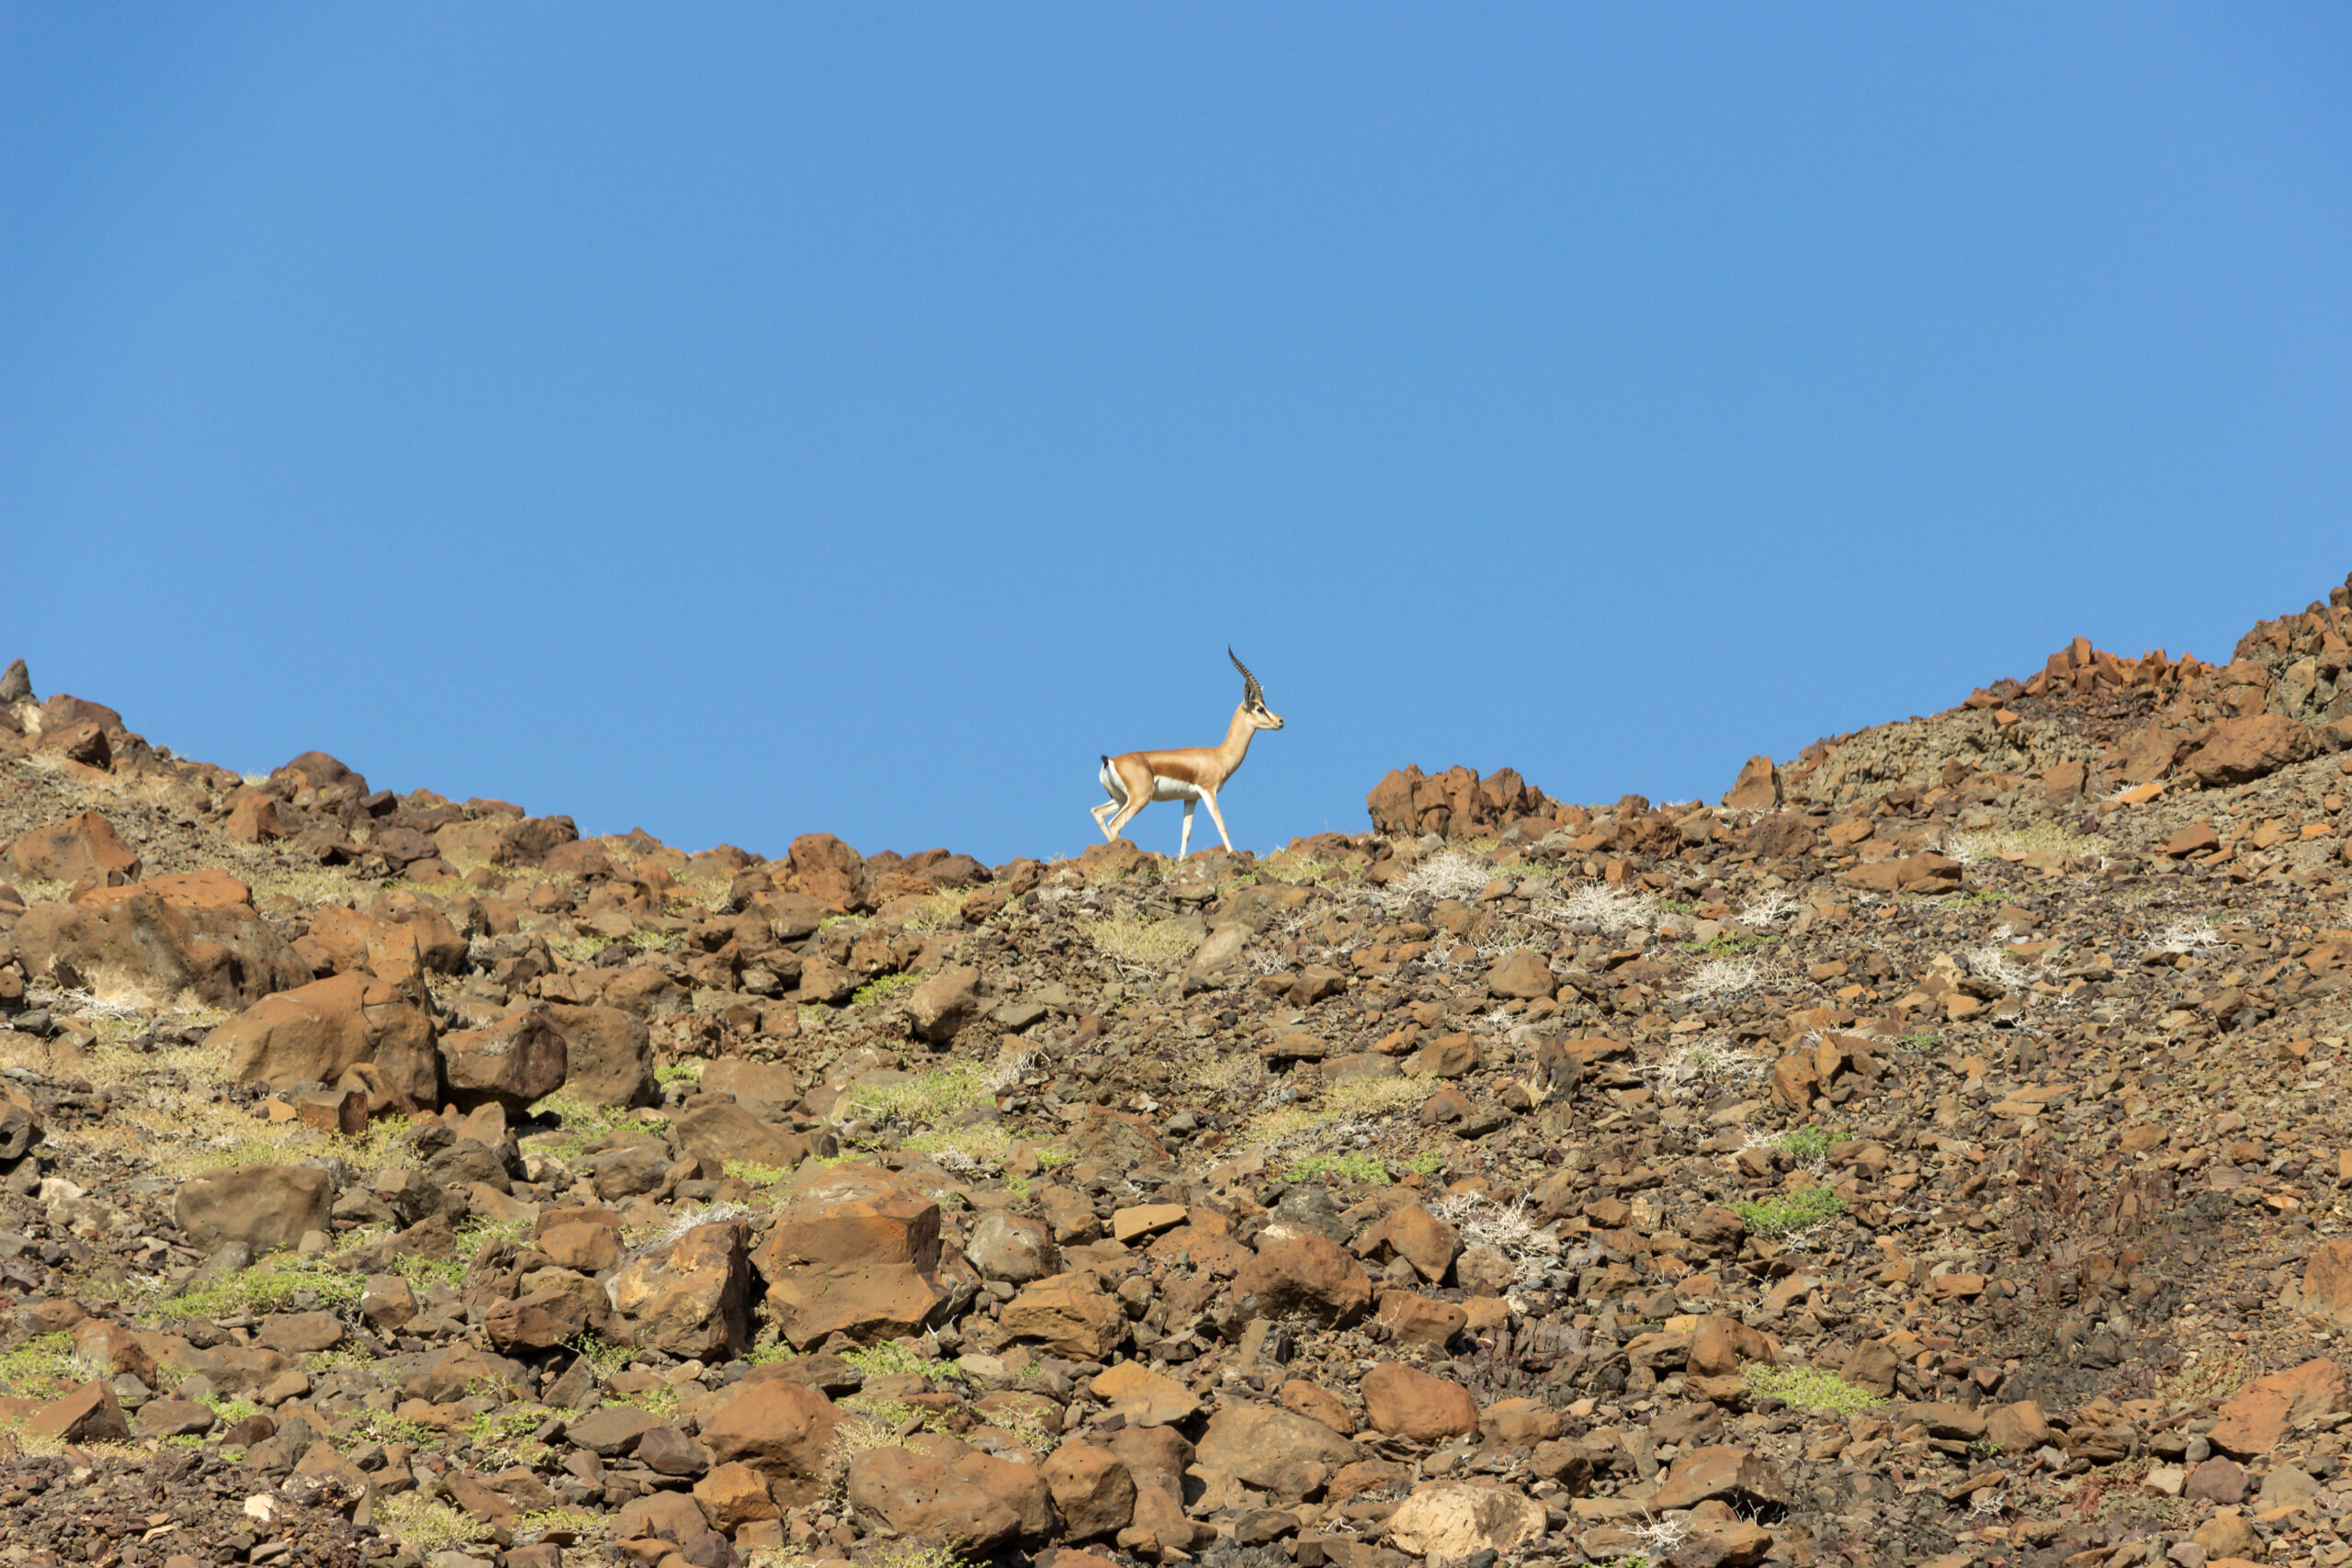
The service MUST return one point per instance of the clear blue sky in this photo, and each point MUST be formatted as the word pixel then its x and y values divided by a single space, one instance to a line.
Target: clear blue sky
pixel 743 420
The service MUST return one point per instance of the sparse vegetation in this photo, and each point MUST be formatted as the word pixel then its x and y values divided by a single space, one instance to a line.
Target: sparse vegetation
pixel 1146 943
pixel 892 1358
pixel 1809 1388
pixel 1807 1145
pixel 276 1284
pixel 922 1100
pixel 882 986
pixel 1355 1168
pixel 1784 1212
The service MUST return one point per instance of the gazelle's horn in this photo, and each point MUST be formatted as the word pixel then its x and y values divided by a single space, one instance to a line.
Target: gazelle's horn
pixel 1250 690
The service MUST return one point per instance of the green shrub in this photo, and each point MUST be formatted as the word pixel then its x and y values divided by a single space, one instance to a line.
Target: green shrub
pixel 1786 1212
pixel 892 1358
pixel 271 1285
pixel 1804 1145
pixel 1357 1167
pixel 882 986
pixel 1808 1388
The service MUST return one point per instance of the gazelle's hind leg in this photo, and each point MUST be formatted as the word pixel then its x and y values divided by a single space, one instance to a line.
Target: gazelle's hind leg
pixel 1184 839
pixel 1136 781
pixel 1101 813
pixel 1217 817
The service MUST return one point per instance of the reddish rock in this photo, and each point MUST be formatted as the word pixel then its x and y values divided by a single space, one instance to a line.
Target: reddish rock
pixel 1310 1275
pixel 265 1206
pixel 1722 1474
pixel 2238 751
pixel 2253 1422
pixel 784 1430
pixel 1758 788
pixel 317 1032
pixel 856 1252
pixel 513 1063
pixel 921 1496
pixel 1092 1490
pixel 71 850
pixel 692 1298
pixel 1068 1315
pixel 140 945
pixel 1403 1401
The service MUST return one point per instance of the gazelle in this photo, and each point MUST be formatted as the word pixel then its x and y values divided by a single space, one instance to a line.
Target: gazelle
pixel 1189 774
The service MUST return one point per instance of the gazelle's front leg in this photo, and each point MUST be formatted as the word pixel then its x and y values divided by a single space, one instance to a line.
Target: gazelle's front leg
pixel 1218 818
pixel 1184 839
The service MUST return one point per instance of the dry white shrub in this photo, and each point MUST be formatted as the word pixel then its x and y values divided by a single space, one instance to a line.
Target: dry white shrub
pixel 2193 935
pixel 1504 1229
pixel 1450 873
pixel 1721 979
pixel 1598 905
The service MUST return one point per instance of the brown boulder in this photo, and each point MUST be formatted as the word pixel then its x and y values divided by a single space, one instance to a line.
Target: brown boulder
pixel 71 850
pixel 539 1321
pixel 1524 973
pixel 88 1414
pixel 1413 1233
pixel 2254 1420
pixel 1758 788
pixel 856 1252
pixel 265 1206
pixel 785 1430
pixel 1278 1452
pixel 1455 1520
pixel 921 1496
pixel 317 1032
pixel 1307 1274
pixel 723 1133
pixel 1069 1315
pixel 2236 751
pixel 944 1004
pixel 1724 1473
pixel 1402 1402
pixel 1092 1490
pixel 692 1298
pixel 609 1055
pixel 142 946
pixel 513 1063
pixel 822 867
pixel 2327 1281
pixel 735 1495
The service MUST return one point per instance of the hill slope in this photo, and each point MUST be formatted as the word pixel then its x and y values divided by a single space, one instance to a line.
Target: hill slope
pixel 1933 1152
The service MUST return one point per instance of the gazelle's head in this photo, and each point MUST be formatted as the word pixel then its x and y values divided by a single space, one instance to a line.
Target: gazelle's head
pixel 1253 699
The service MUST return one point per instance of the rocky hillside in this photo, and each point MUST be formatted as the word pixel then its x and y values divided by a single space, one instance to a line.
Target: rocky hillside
pixel 1932 1154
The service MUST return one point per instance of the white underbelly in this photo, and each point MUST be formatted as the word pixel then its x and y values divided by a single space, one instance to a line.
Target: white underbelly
pixel 1161 789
